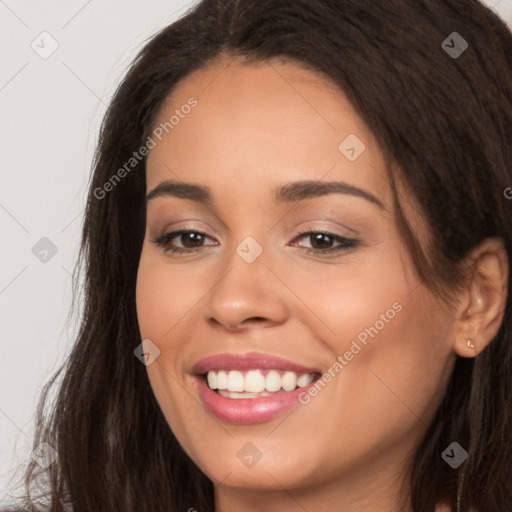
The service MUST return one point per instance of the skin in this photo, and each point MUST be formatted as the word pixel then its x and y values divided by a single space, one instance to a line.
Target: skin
pixel 257 127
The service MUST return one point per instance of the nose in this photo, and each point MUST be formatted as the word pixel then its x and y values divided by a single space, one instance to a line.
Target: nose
pixel 245 295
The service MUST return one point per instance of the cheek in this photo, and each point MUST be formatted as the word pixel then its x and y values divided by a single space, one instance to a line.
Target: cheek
pixel 165 293
pixel 163 297
pixel 390 344
pixel 391 374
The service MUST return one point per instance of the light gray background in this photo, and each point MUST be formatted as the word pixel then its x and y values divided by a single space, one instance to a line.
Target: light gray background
pixel 50 111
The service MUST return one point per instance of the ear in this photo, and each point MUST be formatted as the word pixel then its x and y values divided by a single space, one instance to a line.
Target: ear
pixel 481 308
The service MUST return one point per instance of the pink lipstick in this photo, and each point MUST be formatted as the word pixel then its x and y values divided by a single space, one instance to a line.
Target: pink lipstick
pixel 251 388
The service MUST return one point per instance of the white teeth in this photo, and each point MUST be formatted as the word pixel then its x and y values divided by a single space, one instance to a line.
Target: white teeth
pixel 212 380
pixel 304 380
pixel 273 381
pixel 235 381
pixel 234 384
pixel 254 382
pixel 289 381
pixel 228 394
pixel 222 380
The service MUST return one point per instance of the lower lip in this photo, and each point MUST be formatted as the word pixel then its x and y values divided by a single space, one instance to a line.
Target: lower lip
pixel 249 410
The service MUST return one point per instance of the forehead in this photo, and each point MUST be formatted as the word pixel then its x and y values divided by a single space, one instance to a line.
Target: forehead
pixel 259 125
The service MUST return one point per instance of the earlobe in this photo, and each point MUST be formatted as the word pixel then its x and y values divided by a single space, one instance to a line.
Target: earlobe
pixel 483 307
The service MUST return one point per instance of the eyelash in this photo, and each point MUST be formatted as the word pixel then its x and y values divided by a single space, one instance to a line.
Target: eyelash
pixel 164 240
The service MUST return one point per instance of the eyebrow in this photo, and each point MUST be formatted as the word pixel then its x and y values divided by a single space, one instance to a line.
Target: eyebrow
pixel 289 193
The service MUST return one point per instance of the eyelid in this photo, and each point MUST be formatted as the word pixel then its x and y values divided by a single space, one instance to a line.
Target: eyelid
pixel 185 226
pixel 163 211
pixel 348 232
pixel 346 244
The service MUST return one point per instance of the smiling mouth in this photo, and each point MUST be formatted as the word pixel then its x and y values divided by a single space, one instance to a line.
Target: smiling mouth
pixel 256 383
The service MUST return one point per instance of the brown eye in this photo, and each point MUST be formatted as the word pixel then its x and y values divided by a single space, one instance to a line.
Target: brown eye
pixel 190 240
pixel 321 242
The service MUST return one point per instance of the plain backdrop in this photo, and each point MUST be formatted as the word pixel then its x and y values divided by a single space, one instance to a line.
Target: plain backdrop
pixel 61 62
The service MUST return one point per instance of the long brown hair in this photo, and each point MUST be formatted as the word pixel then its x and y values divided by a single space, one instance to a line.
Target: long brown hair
pixel 444 124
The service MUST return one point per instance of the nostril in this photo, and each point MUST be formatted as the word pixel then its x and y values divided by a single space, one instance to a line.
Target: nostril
pixel 256 319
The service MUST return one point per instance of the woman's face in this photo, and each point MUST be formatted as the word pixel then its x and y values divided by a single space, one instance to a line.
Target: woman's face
pixel 255 301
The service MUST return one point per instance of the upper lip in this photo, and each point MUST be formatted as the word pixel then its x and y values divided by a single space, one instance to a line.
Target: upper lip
pixel 250 361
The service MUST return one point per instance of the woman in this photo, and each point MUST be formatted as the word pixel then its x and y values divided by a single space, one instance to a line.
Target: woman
pixel 297 248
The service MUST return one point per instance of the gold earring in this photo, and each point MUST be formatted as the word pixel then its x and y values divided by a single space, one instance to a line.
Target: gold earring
pixel 470 344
